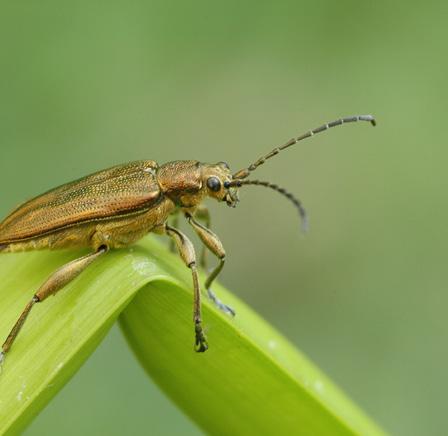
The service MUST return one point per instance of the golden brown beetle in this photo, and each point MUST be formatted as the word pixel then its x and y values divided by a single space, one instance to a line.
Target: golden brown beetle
pixel 116 207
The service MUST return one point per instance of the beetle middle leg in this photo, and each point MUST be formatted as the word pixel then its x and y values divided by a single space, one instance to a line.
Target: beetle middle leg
pixel 188 255
pixel 52 285
pixel 212 242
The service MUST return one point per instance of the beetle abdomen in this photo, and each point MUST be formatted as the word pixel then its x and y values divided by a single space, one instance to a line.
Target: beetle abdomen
pixel 118 191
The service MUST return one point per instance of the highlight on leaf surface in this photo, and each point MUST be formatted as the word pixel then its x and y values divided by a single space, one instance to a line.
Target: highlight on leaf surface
pixel 251 380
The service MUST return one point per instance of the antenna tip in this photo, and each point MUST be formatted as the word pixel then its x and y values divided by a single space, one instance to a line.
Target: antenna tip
pixel 304 226
pixel 370 118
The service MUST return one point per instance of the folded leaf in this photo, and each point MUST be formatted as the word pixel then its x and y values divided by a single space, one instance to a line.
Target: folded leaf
pixel 251 381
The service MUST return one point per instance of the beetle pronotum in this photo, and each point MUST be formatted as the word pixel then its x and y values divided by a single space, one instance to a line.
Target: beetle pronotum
pixel 116 207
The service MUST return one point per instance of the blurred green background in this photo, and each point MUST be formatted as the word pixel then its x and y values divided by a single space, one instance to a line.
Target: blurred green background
pixel 89 84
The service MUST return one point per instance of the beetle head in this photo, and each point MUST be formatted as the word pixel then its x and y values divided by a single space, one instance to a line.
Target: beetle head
pixel 217 180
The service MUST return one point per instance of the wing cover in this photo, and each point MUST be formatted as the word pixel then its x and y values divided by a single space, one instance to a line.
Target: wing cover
pixel 120 190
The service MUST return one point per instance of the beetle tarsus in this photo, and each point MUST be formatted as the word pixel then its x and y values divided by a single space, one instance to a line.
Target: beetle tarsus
pixel 201 344
pixel 219 304
pixel 2 359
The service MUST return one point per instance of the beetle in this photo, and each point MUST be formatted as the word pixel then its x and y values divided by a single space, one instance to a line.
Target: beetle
pixel 116 207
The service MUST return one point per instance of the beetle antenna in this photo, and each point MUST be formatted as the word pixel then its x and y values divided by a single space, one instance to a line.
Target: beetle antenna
pixel 297 203
pixel 242 174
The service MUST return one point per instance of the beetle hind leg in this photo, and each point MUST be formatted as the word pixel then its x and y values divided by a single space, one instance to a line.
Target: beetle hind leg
pixel 51 286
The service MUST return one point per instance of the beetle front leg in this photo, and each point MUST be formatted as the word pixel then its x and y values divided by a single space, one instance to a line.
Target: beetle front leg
pixel 212 242
pixel 188 255
pixel 53 284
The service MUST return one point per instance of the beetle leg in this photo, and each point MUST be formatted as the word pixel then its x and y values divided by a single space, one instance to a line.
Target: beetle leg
pixel 212 242
pixel 175 223
pixel 203 214
pixel 188 255
pixel 52 285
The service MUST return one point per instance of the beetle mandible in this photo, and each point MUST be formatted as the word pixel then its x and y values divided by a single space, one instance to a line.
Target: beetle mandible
pixel 116 207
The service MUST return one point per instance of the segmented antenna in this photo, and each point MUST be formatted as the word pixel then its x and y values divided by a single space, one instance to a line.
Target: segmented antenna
pixel 297 203
pixel 242 174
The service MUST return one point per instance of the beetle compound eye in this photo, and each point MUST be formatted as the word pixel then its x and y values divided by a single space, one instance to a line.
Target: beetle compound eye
pixel 214 184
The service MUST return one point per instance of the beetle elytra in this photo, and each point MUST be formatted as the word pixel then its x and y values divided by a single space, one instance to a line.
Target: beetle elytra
pixel 116 207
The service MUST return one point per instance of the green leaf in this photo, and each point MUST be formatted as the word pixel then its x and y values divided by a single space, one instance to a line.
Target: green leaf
pixel 251 380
